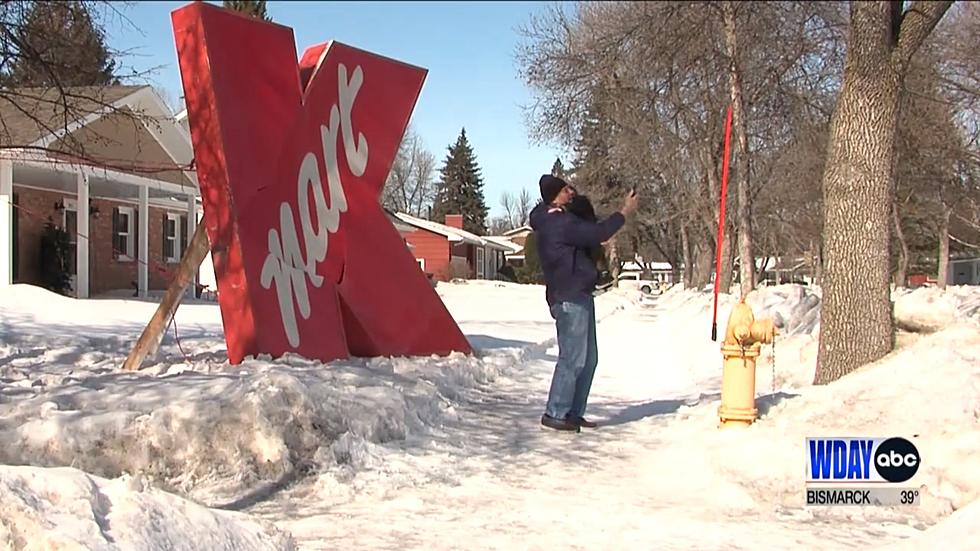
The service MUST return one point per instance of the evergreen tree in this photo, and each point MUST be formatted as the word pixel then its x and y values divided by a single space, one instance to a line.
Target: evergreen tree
pixel 60 44
pixel 255 8
pixel 558 169
pixel 460 188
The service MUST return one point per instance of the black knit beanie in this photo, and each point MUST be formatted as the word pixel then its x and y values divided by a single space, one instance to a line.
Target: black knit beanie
pixel 550 187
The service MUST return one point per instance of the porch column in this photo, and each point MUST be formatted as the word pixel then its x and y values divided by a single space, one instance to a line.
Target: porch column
pixel 82 227
pixel 6 222
pixel 143 256
pixel 191 226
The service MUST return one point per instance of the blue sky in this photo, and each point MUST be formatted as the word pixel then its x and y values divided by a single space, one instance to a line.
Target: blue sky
pixel 468 48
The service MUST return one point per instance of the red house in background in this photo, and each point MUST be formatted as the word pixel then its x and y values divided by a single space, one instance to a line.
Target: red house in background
pixel 447 251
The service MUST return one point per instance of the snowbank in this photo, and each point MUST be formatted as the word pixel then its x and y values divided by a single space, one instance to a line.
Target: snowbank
pixel 927 390
pixel 65 508
pixel 959 532
pixel 202 428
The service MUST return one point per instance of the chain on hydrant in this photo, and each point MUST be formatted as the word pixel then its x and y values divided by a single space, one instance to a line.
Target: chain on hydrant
pixel 744 338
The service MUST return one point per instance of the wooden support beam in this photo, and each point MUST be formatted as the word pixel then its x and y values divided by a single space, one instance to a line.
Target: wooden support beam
pixel 152 335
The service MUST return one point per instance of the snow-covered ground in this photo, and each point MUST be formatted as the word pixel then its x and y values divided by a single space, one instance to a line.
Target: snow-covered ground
pixel 448 453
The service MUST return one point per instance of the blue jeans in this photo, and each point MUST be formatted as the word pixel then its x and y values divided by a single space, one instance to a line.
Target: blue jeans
pixel 578 356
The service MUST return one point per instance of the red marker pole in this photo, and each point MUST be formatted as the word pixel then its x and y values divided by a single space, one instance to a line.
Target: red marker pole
pixel 721 221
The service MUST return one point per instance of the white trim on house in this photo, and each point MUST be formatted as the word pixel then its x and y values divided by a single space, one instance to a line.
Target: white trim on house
pixel 162 204
pixel 6 222
pixel 38 159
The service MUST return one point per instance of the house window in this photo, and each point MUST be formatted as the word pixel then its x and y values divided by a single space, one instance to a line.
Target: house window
pixel 480 271
pixel 123 234
pixel 421 262
pixel 172 231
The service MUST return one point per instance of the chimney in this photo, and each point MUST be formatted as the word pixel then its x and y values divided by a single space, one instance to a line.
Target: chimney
pixel 454 221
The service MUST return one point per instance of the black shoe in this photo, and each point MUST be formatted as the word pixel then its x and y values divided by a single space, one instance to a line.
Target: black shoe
pixel 559 424
pixel 582 422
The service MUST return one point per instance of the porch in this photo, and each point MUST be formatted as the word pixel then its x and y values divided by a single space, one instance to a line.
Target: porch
pixel 124 230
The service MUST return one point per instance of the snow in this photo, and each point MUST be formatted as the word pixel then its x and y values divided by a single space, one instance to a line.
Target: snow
pixel 64 508
pixel 447 452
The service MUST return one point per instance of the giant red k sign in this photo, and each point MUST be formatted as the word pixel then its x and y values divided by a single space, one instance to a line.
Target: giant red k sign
pixel 291 159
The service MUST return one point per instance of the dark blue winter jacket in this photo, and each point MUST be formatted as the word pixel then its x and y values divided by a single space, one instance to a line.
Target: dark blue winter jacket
pixel 563 241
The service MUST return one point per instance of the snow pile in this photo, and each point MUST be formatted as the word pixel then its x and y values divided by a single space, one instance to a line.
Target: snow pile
pixel 959 532
pixel 927 390
pixel 212 431
pixel 929 309
pixel 64 508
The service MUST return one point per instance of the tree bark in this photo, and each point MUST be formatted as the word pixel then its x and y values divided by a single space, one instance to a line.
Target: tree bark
pixel 704 253
pixel 943 273
pixel 901 271
pixel 727 254
pixel 614 266
pixel 744 209
pixel 688 258
pixel 727 261
pixel 856 314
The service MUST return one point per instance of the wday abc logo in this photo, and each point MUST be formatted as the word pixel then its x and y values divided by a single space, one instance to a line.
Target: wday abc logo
pixel 892 460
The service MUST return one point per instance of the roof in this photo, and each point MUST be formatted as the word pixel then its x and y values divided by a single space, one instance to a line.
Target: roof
pixel 504 242
pixel 31 114
pixel 515 231
pixel 454 235
pixel 90 125
pixel 399 225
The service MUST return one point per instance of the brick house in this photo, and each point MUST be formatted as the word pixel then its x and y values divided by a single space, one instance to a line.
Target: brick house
pixel 113 178
pixel 446 251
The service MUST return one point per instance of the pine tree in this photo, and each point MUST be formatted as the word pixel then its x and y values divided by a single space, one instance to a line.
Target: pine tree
pixel 60 44
pixel 558 169
pixel 460 188
pixel 255 8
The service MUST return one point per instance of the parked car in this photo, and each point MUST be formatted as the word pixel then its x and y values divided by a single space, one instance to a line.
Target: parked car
pixel 635 281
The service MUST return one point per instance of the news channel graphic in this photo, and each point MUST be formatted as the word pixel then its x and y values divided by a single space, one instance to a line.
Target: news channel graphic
pixel 861 471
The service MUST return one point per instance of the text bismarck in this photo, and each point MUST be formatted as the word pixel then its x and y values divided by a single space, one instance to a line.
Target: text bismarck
pixel 832 496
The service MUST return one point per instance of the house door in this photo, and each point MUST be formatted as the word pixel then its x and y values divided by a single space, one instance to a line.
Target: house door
pixel 70 223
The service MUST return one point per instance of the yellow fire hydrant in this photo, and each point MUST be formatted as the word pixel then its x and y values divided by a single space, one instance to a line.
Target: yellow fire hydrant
pixel 744 338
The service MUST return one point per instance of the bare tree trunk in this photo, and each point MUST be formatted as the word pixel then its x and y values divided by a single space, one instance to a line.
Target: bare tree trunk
pixel 727 254
pixel 901 271
pixel 613 255
pixel 727 261
pixel 856 314
pixel 943 275
pixel 688 258
pixel 703 255
pixel 744 210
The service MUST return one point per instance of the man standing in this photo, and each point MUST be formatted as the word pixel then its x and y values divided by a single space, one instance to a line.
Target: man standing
pixel 564 244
